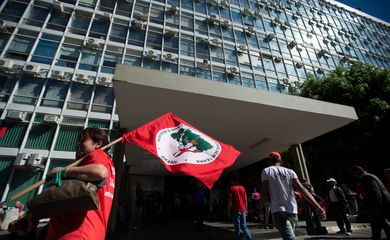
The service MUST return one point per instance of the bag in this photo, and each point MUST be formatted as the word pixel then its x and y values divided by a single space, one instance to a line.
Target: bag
pixel 74 195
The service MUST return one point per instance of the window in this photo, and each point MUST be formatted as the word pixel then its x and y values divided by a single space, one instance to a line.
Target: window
pixel 28 91
pixel 171 44
pixel 90 59
pixel 109 62
pixel 132 58
pixel 68 56
pixel 13 11
pixel 154 39
pixel 6 87
pixel 46 49
pixel 157 14
pixel 88 3
pixel 80 96
pixel 136 37
pixel 99 28
pixel 55 94
pixel 20 46
pixel 58 21
pixel 80 24
pixel 103 99
pixel 36 16
pixel 41 134
pixel 118 33
pixel 187 45
pixel 4 37
pixel 217 55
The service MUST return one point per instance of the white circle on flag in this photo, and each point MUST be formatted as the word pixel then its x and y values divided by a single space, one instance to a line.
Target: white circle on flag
pixel 184 144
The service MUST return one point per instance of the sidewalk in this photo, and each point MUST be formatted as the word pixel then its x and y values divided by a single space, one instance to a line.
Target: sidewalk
pixel 213 231
pixel 209 231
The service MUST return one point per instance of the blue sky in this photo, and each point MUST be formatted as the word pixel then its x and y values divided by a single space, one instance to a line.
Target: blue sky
pixel 376 8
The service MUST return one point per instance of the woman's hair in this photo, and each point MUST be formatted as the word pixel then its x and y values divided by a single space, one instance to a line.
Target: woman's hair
pixel 96 134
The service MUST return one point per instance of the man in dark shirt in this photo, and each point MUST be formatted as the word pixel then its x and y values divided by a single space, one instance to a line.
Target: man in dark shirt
pixel 376 199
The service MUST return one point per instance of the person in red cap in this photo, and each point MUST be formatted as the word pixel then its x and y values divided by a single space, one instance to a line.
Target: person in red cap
pixel 278 185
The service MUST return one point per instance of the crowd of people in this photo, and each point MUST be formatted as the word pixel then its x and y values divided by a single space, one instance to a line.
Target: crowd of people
pixel 283 197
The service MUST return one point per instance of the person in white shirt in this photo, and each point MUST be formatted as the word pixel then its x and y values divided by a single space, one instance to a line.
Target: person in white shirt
pixel 278 187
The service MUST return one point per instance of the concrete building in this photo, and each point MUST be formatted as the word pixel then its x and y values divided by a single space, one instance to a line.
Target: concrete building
pixel 239 60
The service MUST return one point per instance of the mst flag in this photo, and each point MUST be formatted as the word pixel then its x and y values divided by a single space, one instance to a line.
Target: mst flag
pixel 184 149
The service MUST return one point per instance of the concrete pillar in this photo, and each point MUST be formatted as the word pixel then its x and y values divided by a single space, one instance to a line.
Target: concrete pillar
pixel 299 161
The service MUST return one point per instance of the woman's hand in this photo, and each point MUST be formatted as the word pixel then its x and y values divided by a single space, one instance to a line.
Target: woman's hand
pixel 53 172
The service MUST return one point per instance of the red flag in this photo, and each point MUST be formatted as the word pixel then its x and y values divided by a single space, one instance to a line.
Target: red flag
pixel 184 149
pixel 2 131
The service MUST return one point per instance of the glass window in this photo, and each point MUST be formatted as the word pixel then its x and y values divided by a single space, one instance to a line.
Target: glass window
pixel 20 47
pixel 80 24
pixel 46 49
pixel 171 44
pixel 103 99
pixel 68 56
pixel 99 28
pixel 28 91
pixel 231 56
pixel 55 93
pixel 4 37
pixel 124 8
pixel 187 45
pixel 110 61
pixel 80 96
pixel 88 3
pixel 36 16
pixel 90 59
pixel 217 55
pixel 261 82
pixel 118 33
pixel 6 87
pixel 136 37
pixel 13 11
pixel 58 21
pixel 157 14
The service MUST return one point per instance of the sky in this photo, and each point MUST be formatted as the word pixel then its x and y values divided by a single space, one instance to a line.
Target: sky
pixel 377 8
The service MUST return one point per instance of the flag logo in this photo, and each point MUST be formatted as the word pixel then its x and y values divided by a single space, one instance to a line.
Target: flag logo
pixel 184 144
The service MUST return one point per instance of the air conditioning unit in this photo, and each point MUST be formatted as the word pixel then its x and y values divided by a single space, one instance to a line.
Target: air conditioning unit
pixel 17 115
pixel 34 160
pixel 105 81
pixel 297 84
pixel 226 23
pixel 169 57
pixel 216 42
pixel 285 81
pixel 277 59
pixel 291 44
pixel 246 11
pixel 21 160
pixel 212 2
pixel 172 9
pixel 57 74
pixel 344 59
pixel 93 43
pixel 224 4
pixel 232 71
pixel 206 41
pixel 206 63
pixel 107 15
pixel 52 119
pixel 138 24
pixel 256 15
pixel 58 6
pixel 81 78
pixel 270 36
pixel 242 49
pixel 213 18
pixel 298 13
pixel 170 32
pixel 299 65
pixel 2 24
pixel 151 54
pixel 6 64
pixel 320 70
pixel 32 68
pixel 250 30
pixel 323 52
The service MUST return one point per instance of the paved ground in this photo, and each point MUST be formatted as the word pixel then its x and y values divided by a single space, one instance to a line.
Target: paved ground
pixel 222 231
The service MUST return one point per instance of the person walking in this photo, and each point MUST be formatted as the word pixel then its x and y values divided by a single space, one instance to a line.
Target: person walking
pixel 237 205
pixel 376 199
pixel 278 187
pixel 338 204
pixel 255 201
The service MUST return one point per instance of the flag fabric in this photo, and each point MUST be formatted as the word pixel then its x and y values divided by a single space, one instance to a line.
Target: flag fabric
pixel 184 149
pixel 2 131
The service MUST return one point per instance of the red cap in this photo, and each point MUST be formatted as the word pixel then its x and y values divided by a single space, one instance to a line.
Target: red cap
pixel 275 155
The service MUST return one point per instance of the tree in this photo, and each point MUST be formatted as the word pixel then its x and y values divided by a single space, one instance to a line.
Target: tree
pixel 365 141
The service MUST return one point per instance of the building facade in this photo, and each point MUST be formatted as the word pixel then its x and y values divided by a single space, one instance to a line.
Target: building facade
pixel 57 59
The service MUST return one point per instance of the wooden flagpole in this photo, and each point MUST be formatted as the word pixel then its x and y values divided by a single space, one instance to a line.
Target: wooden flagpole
pixel 43 181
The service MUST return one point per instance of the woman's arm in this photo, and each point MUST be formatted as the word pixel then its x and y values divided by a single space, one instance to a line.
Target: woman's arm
pixel 90 172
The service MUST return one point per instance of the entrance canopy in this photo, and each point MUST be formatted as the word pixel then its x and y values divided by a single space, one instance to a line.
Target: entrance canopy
pixel 255 122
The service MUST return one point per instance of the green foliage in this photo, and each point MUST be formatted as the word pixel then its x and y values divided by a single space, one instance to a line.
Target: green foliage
pixel 365 141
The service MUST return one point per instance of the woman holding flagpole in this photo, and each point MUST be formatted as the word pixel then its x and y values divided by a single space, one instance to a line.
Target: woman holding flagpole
pixel 96 167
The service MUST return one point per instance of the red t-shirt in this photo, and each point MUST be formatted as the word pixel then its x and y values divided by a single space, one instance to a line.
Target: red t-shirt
pixel 87 224
pixel 238 194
